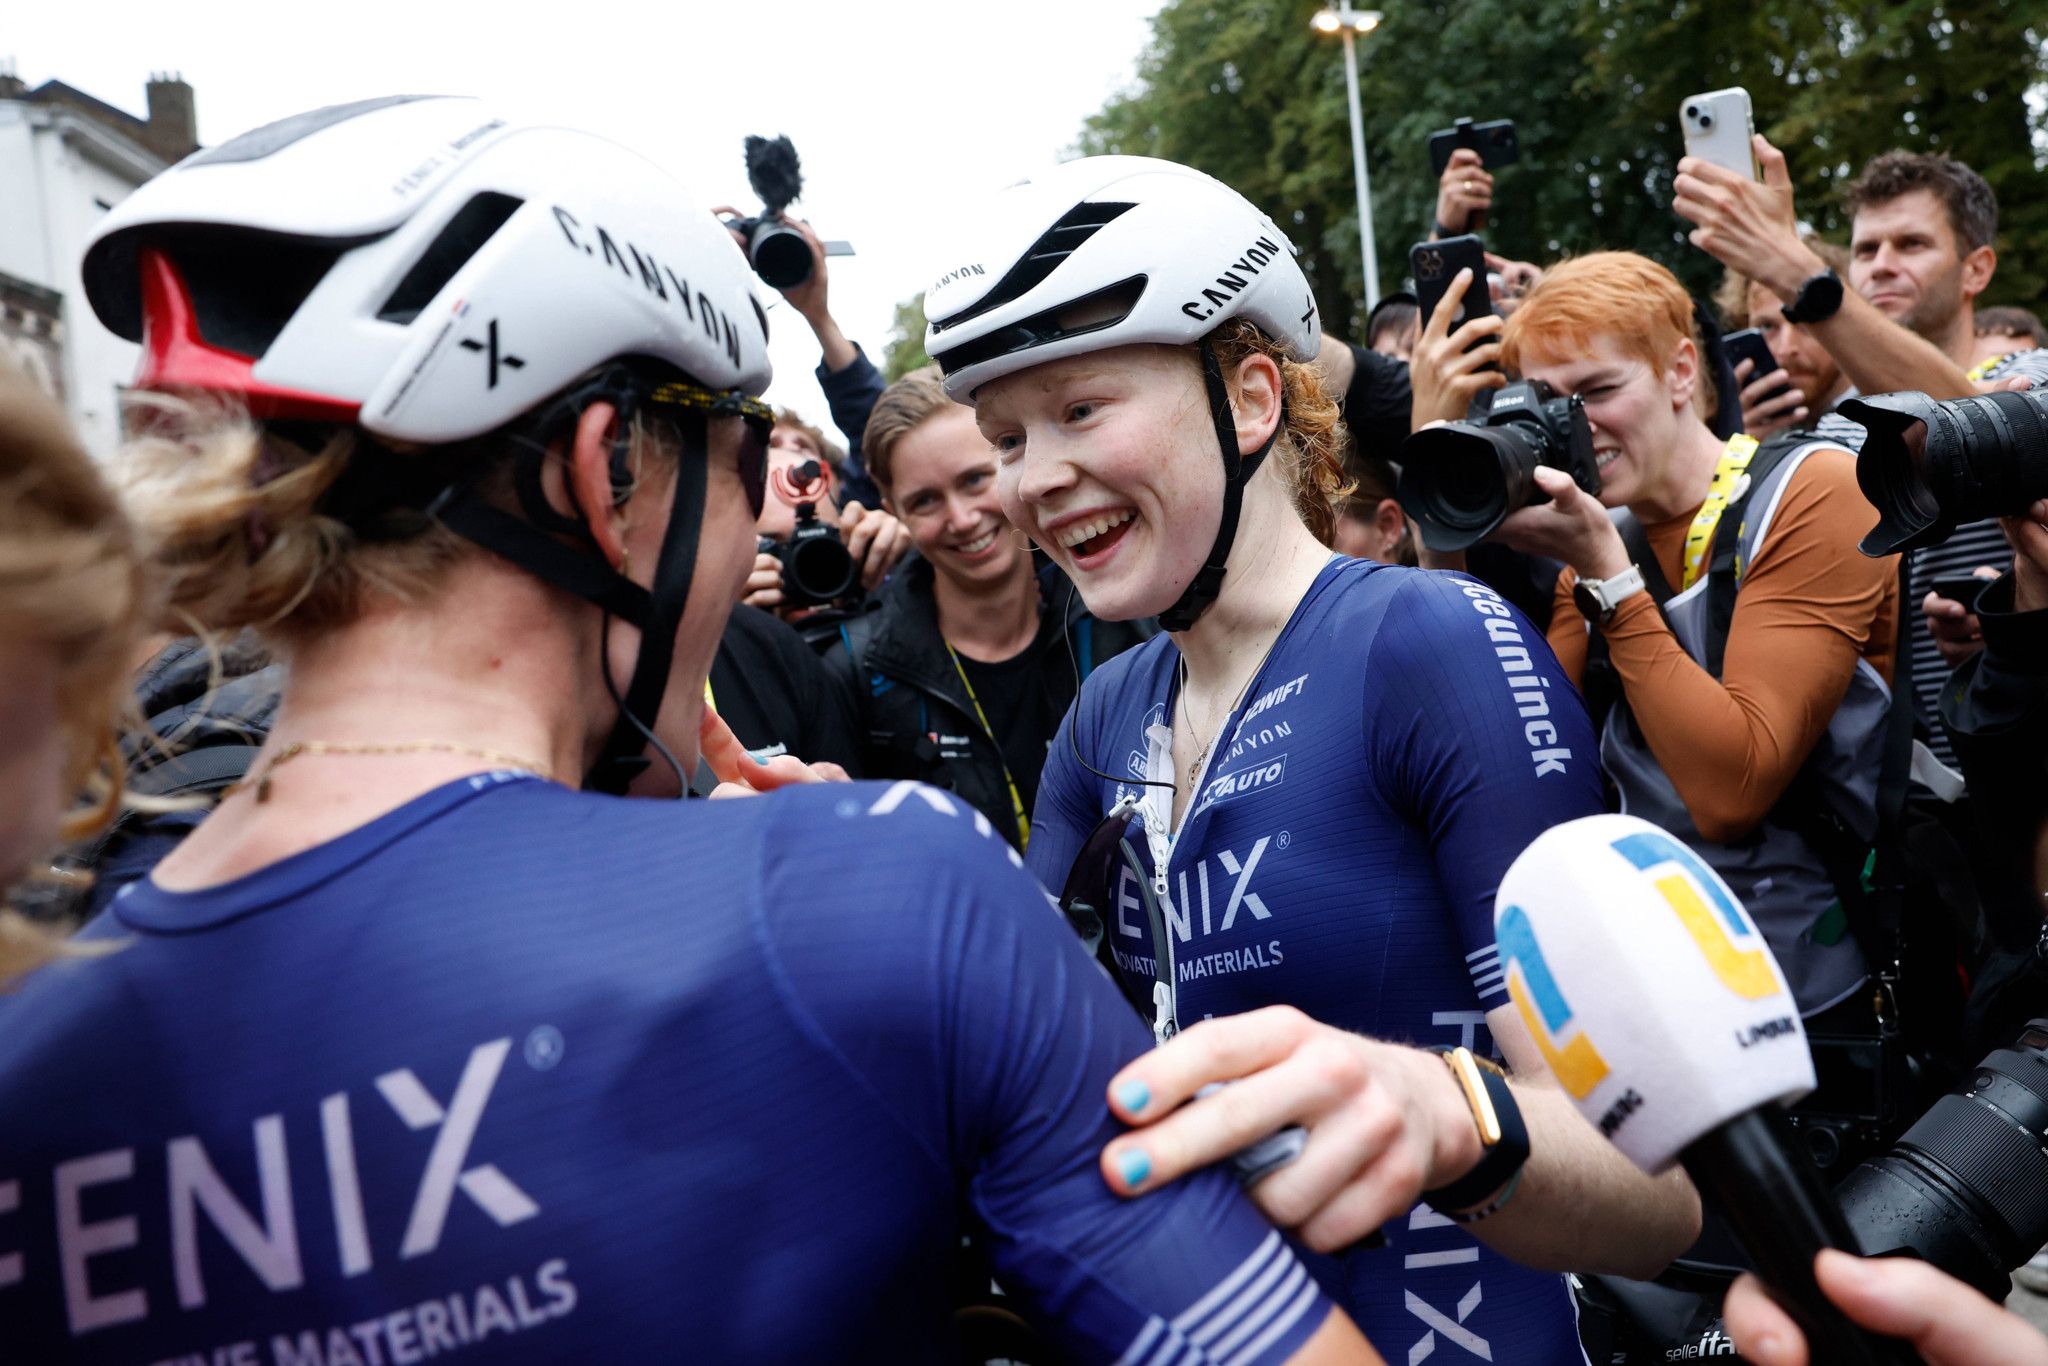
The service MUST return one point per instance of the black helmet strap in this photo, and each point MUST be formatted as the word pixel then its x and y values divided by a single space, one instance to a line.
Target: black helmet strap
pixel 658 612
pixel 1237 472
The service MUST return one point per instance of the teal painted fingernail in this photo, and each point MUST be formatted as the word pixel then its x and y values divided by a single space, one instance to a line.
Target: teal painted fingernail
pixel 760 759
pixel 1133 1095
pixel 1134 1166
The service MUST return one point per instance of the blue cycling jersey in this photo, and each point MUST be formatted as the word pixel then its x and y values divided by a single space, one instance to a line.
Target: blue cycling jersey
pixel 514 1073
pixel 1408 736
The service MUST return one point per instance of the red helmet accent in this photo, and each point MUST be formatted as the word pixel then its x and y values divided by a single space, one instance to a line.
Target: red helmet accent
pixel 175 356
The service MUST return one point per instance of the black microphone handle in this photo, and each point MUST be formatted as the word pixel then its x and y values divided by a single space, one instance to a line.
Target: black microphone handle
pixel 1757 1176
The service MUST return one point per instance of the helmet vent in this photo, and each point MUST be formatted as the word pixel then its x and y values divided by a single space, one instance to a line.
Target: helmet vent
pixel 1055 245
pixel 472 226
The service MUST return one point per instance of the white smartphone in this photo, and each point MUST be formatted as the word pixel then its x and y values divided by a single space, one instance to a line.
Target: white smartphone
pixel 1719 128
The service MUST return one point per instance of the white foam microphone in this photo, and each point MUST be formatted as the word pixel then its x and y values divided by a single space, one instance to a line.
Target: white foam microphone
pixel 1663 1014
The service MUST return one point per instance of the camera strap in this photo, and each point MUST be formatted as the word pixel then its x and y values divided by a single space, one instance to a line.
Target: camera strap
pixel 1727 486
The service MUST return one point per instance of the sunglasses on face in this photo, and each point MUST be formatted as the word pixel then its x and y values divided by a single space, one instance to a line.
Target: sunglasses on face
pixel 757 420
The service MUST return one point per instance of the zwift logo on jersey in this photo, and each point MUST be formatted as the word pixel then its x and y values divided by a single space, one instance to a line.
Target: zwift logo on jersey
pixel 1572 1056
pixel 1717 925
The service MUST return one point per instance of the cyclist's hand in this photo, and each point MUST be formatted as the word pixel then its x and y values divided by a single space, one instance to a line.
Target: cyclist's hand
pixel 741 773
pixel 1384 1122
pixel 1947 1322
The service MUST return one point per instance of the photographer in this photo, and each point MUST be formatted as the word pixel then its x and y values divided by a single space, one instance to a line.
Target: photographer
pixel 960 676
pixel 1712 753
pixel 1996 710
pixel 1808 383
pixel 874 539
pixel 615 1057
pixel 71 601
pixel 1922 249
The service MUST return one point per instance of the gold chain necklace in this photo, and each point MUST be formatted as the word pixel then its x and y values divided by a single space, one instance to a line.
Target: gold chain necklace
pixel 1188 712
pixel 323 747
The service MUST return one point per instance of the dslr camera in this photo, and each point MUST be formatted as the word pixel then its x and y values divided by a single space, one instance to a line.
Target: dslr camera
pixel 1931 466
pixel 1461 480
pixel 817 570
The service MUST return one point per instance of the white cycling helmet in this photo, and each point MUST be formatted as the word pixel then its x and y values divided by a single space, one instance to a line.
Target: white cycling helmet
pixel 429 272
pixel 1107 251
pixel 1112 251
pixel 420 267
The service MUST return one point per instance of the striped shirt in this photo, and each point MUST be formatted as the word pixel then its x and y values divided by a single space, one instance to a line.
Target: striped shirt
pixel 1972 545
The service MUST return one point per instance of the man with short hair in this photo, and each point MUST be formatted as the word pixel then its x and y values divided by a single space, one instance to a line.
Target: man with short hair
pixel 1808 383
pixel 1921 250
pixel 2006 329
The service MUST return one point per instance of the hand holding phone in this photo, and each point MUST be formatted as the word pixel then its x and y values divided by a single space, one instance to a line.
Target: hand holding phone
pixel 1719 127
pixel 1434 265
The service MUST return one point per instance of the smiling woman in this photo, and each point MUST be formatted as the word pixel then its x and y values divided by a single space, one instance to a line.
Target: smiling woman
pixel 962 674
pixel 1332 762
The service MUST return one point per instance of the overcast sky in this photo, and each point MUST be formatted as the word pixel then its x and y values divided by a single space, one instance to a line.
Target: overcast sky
pixel 900 109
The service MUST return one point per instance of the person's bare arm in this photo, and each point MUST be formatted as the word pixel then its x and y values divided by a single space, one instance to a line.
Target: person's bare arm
pixel 1336 364
pixel 1386 1122
pixel 1749 227
pixel 1337 1343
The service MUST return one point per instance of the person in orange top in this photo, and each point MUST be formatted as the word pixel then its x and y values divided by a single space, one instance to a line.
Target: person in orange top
pixel 1805 682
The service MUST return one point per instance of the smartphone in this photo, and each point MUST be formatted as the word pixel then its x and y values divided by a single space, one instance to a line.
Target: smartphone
pixel 1435 263
pixel 1494 141
pixel 1962 588
pixel 1749 345
pixel 1719 128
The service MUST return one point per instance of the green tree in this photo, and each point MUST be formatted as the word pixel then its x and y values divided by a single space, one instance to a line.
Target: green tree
pixel 904 351
pixel 1245 91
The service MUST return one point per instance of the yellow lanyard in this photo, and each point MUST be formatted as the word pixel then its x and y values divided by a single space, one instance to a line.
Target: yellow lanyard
pixel 1699 537
pixel 709 700
pixel 1016 798
pixel 1984 367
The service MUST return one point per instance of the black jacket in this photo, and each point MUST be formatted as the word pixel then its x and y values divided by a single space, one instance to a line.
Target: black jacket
pixel 1995 706
pixel 776 696
pixel 907 696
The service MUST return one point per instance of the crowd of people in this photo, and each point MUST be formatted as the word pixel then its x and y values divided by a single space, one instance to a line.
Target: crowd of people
pixel 375 995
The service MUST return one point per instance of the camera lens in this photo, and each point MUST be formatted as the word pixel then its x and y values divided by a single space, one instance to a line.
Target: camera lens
pixel 1706 120
pixel 819 569
pixel 1929 467
pixel 1459 482
pixel 1692 111
pixel 781 256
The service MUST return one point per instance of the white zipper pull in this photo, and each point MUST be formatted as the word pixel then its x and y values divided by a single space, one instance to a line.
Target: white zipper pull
pixel 1162 1013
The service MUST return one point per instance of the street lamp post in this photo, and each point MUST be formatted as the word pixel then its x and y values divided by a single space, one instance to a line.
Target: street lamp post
pixel 1349 23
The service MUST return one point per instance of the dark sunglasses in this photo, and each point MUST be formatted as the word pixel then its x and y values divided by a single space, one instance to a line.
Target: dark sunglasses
pixel 757 420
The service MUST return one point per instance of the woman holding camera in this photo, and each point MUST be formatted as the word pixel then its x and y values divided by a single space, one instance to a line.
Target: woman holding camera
pixel 1327 756
pixel 412 1046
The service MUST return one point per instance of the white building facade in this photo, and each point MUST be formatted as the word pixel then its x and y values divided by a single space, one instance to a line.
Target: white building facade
pixel 65 160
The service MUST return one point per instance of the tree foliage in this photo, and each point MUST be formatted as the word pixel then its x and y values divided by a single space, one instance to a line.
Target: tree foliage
pixel 905 349
pixel 1245 90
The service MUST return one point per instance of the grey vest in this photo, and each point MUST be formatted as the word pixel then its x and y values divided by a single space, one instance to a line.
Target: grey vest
pixel 1780 878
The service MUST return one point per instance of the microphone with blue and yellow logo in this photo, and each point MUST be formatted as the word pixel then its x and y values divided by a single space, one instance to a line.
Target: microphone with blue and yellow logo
pixel 1659 1007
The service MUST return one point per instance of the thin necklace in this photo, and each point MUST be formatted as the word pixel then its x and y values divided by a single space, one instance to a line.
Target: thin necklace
pixel 1202 754
pixel 323 747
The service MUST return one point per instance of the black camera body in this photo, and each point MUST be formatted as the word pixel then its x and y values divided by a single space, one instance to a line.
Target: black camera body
pixel 1928 466
pixel 1494 141
pixel 1461 480
pixel 817 569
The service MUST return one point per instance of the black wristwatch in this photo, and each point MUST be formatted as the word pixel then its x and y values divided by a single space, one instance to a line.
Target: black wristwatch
pixel 1820 298
pixel 1502 1135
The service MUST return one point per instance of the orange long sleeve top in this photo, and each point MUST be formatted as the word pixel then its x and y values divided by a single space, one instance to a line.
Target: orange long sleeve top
pixel 1811 606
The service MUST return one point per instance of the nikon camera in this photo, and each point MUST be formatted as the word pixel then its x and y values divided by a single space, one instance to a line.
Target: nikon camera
pixel 1461 480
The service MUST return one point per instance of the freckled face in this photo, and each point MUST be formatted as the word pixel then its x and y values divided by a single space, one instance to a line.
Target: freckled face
pixel 1107 460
